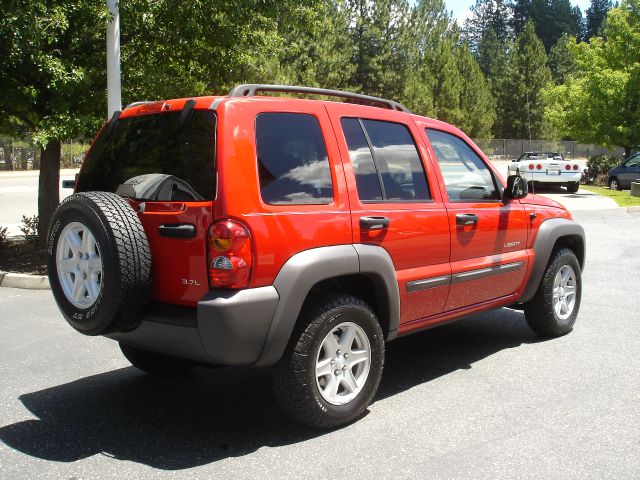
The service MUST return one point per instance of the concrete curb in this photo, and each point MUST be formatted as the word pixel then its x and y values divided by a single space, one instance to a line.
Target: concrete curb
pixel 22 280
pixel 633 209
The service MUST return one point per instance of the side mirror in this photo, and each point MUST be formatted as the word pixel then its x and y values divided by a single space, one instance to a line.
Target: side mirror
pixel 516 187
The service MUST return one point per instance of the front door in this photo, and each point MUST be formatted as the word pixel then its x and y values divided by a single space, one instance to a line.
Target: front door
pixel 631 172
pixel 488 237
pixel 395 202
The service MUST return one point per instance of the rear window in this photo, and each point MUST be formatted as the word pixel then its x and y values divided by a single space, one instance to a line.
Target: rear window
pixel 159 157
pixel 292 160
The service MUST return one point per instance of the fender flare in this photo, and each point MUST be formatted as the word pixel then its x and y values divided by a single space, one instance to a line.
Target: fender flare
pixel 549 233
pixel 305 269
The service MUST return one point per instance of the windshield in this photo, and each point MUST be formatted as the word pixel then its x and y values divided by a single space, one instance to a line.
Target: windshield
pixel 182 150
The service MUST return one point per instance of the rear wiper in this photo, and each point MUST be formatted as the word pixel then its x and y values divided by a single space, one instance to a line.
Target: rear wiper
pixel 186 111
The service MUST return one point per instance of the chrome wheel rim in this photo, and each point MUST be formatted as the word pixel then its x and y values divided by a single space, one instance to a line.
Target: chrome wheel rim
pixel 342 363
pixel 79 265
pixel 565 290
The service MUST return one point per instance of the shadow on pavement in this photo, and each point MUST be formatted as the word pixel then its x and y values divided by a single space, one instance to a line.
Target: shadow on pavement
pixel 215 414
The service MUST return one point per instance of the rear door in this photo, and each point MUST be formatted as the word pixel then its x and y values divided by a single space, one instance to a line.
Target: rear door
pixel 394 203
pixel 488 237
pixel 163 160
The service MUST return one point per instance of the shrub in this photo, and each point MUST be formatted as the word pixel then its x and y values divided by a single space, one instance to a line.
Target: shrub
pixel 601 180
pixel 599 165
pixel 29 228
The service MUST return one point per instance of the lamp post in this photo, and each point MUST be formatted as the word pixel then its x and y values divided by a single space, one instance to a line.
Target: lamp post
pixel 114 99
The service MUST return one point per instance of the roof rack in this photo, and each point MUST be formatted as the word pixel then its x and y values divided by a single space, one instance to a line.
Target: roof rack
pixel 250 90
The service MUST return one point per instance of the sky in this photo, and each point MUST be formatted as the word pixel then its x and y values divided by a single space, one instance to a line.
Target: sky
pixel 461 8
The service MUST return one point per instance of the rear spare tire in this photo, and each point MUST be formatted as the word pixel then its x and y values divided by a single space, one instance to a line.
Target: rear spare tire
pixel 99 263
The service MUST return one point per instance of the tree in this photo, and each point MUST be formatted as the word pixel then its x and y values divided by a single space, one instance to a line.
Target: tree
pixel 596 14
pixel 477 104
pixel 552 19
pixel 600 103
pixel 49 74
pixel 561 59
pixel 486 14
pixel 528 75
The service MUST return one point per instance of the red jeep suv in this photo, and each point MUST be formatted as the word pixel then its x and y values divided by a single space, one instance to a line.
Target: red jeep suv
pixel 299 234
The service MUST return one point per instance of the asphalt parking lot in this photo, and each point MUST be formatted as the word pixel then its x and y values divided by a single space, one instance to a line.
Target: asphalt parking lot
pixel 480 398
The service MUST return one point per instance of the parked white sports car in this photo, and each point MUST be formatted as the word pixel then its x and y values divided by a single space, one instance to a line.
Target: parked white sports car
pixel 547 168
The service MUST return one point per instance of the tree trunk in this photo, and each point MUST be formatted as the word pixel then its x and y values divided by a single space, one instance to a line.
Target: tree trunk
pixel 48 189
pixel 627 152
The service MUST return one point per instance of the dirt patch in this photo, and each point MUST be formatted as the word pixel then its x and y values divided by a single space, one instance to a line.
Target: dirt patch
pixel 22 257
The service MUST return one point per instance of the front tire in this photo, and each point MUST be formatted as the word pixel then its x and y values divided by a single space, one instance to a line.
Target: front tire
pixel 553 310
pixel 155 363
pixel 332 367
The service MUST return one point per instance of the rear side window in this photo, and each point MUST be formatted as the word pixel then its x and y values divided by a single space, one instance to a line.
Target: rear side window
pixel 292 160
pixel 160 157
pixel 466 176
pixel 385 161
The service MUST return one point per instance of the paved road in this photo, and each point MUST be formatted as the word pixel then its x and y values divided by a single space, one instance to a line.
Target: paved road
pixel 481 398
pixel 19 196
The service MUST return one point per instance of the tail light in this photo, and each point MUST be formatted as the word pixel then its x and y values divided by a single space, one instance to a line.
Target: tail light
pixel 539 167
pixel 575 167
pixel 567 167
pixel 531 166
pixel 229 255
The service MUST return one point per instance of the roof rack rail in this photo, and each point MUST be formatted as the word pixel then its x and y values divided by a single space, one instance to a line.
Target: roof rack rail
pixel 250 90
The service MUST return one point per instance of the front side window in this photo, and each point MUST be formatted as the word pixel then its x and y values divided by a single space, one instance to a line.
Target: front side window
pixel 466 176
pixel 385 161
pixel 293 165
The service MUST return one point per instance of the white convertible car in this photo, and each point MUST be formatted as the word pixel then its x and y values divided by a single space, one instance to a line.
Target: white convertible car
pixel 547 168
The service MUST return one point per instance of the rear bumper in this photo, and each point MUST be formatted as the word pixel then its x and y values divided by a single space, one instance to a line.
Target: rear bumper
pixel 228 327
pixel 562 179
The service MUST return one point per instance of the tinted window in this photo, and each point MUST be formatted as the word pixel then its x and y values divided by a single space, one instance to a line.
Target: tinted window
pixel 633 161
pixel 292 159
pixel 367 179
pixel 169 158
pixel 465 174
pixel 385 161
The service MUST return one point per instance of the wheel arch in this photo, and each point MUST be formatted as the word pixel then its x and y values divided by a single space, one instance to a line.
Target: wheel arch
pixel 553 234
pixel 365 271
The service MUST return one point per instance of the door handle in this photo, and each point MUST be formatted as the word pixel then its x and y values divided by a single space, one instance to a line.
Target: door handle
pixel 177 230
pixel 466 219
pixel 374 223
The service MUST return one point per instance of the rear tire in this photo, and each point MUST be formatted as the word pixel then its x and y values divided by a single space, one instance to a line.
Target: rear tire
pixel 155 363
pixel 614 184
pixel 332 367
pixel 573 187
pixel 553 310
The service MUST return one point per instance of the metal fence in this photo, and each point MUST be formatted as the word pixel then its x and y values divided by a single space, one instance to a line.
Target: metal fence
pixel 22 154
pixel 508 149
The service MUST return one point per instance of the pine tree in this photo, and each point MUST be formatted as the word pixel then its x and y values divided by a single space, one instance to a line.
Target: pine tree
pixel 485 14
pixel 596 14
pixel 528 76
pixel 520 15
pixel 477 104
pixel 561 59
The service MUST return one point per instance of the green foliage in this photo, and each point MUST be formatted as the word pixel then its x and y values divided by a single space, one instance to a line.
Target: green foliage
pixel 29 228
pixel 561 59
pixel 552 19
pixel 521 103
pixel 600 103
pixel 485 15
pixel 598 166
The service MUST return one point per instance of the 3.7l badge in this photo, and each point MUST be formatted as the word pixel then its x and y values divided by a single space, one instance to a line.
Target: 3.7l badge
pixel 511 244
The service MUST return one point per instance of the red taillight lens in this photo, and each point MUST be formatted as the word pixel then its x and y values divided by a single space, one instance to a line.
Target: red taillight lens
pixel 531 166
pixel 575 167
pixel 539 167
pixel 567 167
pixel 229 255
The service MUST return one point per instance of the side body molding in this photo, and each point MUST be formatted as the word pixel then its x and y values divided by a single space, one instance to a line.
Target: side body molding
pixel 305 269
pixel 548 234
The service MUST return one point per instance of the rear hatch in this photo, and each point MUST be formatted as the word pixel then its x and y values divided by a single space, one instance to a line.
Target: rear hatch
pixel 164 163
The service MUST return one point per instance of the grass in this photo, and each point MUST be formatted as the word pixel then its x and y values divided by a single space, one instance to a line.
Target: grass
pixel 622 198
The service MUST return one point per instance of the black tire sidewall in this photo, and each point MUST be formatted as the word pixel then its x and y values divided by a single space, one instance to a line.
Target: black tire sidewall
pixel 97 318
pixel 363 318
pixel 562 259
